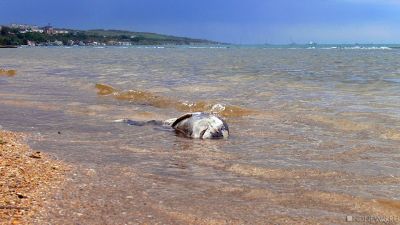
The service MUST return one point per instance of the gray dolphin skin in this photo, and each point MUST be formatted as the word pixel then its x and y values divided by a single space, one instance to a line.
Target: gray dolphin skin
pixel 201 125
pixel 193 125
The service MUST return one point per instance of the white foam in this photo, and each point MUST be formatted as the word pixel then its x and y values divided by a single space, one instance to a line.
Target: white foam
pixel 217 108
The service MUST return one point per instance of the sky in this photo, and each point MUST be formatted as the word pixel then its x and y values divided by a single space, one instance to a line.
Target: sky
pixel 231 21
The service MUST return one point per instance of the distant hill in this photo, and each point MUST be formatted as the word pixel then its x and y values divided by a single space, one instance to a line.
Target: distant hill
pixel 25 35
pixel 146 37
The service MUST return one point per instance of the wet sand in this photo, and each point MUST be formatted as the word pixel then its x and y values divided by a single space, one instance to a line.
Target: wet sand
pixel 8 73
pixel 27 179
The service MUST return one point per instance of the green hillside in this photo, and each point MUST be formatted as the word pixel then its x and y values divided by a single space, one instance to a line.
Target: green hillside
pixel 15 37
pixel 145 37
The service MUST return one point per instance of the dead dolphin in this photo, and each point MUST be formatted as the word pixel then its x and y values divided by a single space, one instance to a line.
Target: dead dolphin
pixel 193 125
pixel 201 125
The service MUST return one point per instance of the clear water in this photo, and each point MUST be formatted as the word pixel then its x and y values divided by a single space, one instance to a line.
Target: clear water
pixel 320 139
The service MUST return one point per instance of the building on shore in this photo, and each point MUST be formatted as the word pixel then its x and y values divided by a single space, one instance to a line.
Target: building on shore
pixel 38 30
pixel 61 31
pixel 70 43
pixel 22 26
pixel 25 28
pixel 50 30
pixel 31 43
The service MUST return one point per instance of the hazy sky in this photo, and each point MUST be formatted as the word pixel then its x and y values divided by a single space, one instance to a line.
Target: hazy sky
pixel 235 21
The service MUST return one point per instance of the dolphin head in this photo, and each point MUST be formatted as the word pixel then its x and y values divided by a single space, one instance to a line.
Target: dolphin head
pixel 213 127
pixel 202 125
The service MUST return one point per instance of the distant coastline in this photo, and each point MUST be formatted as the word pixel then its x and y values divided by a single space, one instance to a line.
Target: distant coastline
pixel 30 35
pixel 8 46
pixel 20 35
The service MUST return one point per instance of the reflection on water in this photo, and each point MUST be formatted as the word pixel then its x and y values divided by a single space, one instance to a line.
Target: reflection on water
pixel 314 133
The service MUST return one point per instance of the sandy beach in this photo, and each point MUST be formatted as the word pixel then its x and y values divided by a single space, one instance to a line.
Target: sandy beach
pixel 27 177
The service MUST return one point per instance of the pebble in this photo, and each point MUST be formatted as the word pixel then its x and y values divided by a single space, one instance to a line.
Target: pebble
pixel 21 195
pixel 21 171
pixel 36 155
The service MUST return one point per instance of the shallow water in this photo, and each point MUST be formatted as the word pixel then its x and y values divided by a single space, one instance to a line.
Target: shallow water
pixel 315 133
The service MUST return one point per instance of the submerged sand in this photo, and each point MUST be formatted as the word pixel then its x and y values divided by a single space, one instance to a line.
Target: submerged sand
pixel 26 178
pixel 8 73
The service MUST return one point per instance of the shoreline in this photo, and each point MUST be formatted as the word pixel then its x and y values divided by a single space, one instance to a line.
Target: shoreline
pixel 8 46
pixel 27 177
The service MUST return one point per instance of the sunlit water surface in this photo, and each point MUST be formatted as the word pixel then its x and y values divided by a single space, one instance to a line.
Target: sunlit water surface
pixel 319 140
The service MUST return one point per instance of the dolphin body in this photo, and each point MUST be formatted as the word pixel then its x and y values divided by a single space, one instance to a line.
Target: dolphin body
pixel 193 125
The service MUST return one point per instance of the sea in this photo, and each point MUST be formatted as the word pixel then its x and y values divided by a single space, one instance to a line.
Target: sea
pixel 314 132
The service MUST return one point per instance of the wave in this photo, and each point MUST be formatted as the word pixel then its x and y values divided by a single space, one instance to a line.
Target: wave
pixel 149 98
pixel 392 80
pixel 152 46
pixel 329 47
pixel 207 47
pixel 349 48
pixel 369 48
